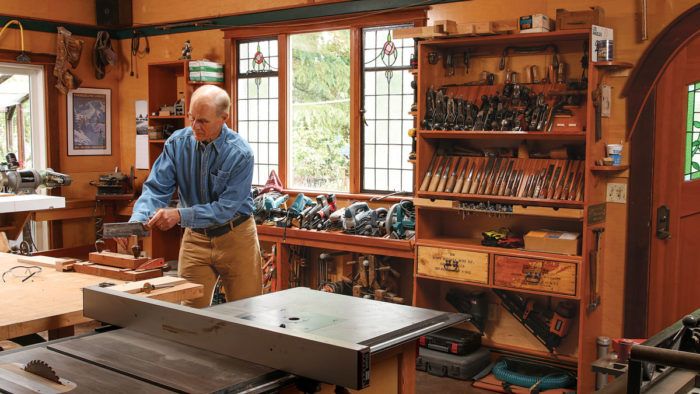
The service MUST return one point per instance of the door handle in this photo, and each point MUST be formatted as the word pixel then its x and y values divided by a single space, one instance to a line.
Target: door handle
pixel 663 218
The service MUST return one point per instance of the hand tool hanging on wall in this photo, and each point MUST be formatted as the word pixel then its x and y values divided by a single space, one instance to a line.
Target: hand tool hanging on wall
pixel 23 57
pixel 593 295
pixel 136 51
pixel 103 54
pixel 529 50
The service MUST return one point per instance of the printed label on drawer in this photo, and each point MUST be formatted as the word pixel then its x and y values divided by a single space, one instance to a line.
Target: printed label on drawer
pixel 535 274
pixel 453 264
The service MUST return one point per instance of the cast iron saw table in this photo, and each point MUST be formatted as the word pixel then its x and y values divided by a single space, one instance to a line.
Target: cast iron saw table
pixel 259 344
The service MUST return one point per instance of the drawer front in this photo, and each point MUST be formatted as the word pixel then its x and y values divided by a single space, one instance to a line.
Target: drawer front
pixel 453 264
pixel 535 274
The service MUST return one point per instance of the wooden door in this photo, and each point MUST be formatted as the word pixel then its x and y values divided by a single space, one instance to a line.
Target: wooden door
pixel 674 276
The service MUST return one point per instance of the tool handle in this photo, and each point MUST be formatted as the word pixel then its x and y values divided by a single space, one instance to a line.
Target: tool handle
pixel 426 182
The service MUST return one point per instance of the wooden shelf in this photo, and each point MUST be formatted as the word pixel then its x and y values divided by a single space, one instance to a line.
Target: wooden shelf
pixel 487 286
pixel 609 169
pixel 475 245
pixel 565 358
pixel 337 241
pixel 512 39
pixel 520 210
pixel 511 135
pixel 613 65
pixel 167 117
pixel 189 82
pixel 502 199
pixel 156 141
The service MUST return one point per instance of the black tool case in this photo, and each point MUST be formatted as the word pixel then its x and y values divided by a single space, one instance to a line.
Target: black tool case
pixel 458 367
pixel 452 340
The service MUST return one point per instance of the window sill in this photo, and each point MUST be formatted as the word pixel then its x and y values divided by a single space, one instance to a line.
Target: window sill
pixel 370 197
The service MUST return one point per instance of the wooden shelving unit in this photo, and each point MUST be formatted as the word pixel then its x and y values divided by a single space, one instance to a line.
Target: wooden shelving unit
pixel 449 230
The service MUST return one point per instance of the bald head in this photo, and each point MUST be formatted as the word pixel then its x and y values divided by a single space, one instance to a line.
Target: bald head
pixel 214 96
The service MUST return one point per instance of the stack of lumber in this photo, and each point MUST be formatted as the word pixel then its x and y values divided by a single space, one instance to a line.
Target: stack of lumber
pixel 118 266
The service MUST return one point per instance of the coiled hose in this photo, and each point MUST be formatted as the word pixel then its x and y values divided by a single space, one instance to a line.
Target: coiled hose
pixel 503 371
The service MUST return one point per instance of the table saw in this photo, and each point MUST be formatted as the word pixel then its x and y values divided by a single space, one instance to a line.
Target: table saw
pixel 260 344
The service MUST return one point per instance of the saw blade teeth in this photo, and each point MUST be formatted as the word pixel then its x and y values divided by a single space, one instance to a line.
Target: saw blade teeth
pixel 40 368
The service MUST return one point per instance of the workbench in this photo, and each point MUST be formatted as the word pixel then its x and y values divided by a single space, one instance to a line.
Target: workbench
pixel 50 300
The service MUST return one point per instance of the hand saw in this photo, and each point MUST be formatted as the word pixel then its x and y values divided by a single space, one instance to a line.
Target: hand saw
pixel 123 230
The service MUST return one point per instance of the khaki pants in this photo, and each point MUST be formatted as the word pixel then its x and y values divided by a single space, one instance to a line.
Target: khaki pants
pixel 234 256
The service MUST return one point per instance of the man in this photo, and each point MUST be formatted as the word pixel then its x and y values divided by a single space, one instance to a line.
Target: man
pixel 212 169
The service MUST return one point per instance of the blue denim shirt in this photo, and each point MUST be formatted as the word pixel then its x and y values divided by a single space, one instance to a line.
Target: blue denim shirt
pixel 213 181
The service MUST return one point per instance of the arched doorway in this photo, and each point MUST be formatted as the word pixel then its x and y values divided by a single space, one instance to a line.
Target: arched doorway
pixel 663 117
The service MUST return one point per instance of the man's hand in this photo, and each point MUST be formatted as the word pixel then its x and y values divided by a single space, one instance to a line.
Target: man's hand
pixel 164 219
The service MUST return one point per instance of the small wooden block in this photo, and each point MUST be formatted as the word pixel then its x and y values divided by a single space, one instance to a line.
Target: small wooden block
pixel 504 26
pixel 418 32
pixel 58 263
pixel 426 202
pixel 446 26
pixel 117 259
pixel 116 273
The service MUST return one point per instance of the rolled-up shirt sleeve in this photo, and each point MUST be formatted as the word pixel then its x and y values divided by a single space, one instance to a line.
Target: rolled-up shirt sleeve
pixel 224 208
pixel 158 188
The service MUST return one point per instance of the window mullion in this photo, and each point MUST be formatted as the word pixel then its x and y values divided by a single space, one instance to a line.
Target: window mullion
pixel 355 110
pixel 283 90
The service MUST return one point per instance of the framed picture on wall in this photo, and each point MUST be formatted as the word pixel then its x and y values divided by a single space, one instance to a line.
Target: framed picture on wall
pixel 89 122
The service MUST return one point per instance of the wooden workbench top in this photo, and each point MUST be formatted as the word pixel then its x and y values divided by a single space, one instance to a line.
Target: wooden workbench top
pixel 47 300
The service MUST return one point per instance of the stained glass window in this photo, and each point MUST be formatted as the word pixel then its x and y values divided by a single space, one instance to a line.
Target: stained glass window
pixel 387 98
pixel 692 147
pixel 258 106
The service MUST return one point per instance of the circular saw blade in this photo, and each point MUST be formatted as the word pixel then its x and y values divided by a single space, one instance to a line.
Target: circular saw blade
pixel 40 368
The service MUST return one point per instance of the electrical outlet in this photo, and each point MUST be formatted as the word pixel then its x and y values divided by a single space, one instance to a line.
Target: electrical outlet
pixel 617 192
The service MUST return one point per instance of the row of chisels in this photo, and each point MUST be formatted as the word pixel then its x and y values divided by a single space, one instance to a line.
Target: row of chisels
pixel 509 177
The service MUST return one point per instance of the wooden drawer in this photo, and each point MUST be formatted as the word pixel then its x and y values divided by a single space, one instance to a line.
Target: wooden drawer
pixel 535 274
pixel 453 264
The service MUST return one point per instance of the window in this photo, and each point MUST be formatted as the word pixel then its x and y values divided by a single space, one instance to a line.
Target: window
pixel 319 139
pixel 387 99
pixel 342 102
pixel 257 103
pixel 22 129
pixel 692 146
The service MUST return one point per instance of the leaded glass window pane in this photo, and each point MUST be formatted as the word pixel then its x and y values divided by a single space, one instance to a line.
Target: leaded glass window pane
pixel 257 104
pixel 692 146
pixel 386 98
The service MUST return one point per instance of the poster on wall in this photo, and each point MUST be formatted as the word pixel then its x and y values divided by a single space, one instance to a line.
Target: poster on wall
pixel 89 122
pixel 141 111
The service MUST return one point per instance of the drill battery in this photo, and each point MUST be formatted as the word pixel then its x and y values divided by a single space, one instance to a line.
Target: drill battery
pixel 452 340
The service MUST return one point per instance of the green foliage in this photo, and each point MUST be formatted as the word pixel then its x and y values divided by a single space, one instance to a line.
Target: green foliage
pixel 321 110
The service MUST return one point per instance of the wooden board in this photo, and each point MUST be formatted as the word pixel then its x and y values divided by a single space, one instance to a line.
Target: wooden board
pixel 453 264
pixel 116 273
pixel 535 274
pixel 117 259
pixel 58 263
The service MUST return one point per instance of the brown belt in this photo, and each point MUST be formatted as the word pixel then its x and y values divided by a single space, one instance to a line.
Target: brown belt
pixel 221 229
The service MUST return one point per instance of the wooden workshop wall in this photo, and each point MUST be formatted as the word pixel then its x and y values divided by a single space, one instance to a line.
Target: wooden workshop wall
pixel 73 11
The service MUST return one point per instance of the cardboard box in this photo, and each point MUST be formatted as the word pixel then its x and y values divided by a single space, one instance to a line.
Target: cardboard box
pixel 570 20
pixel 550 241
pixel 536 23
